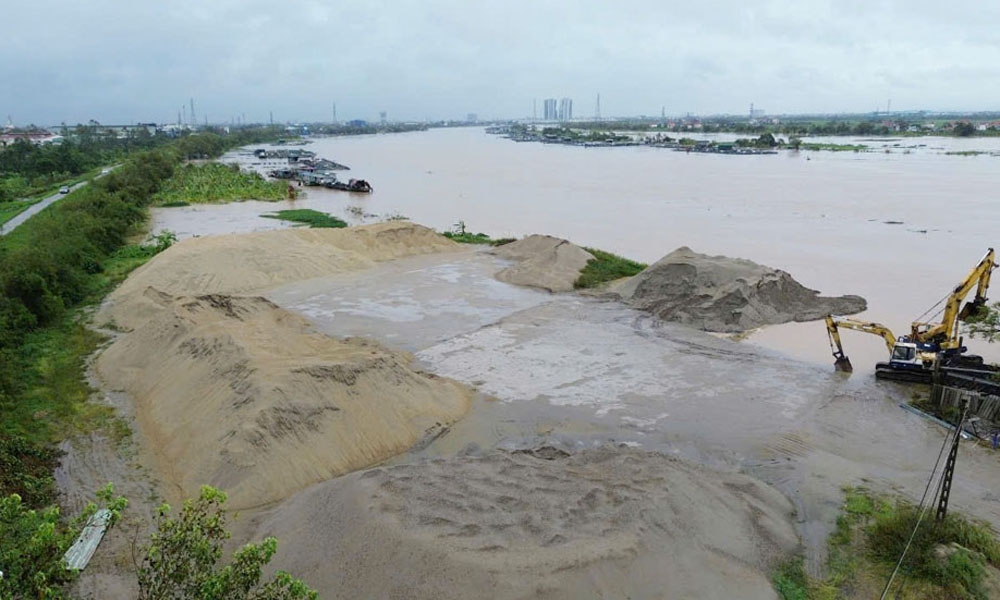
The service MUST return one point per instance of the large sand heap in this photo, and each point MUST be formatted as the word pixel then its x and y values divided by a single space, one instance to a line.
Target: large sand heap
pixel 249 263
pixel 238 393
pixel 718 293
pixel 602 523
pixel 543 261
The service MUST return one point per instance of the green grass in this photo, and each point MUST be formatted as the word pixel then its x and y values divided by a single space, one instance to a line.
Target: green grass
pixel 790 580
pixel 53 364
pixel 869 537
pixel 214 183
pixel 476 238
pixel 125 260
pixel 54 404
pixel 833 147
pixel 175 204
pixel 606 267
pixel 313 218
pixel 965 152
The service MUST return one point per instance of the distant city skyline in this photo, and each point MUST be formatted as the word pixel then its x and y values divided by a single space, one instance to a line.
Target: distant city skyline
pixel 119 62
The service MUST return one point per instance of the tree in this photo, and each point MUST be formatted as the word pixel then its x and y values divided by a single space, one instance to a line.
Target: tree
pixel 986 323
pixel 964 129
pixel 864 128
pixel 766 140
pixel 181 559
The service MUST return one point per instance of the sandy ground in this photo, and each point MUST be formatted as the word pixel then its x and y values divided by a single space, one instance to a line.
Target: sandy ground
pixel 240 394
pixel 719 293
pixel 606 523
pixel 246 263
pixel 234 390
pixel 544 262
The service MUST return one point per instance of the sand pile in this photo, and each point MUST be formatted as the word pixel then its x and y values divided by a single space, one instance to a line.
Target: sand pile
pixel 249 263
pixel 238 393
pixel 718 293
pixel 602 523
pixel 543 261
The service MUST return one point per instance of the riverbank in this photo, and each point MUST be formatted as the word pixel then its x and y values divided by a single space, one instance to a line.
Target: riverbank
pixel 283 408
pixel 573 371
pixel 563 371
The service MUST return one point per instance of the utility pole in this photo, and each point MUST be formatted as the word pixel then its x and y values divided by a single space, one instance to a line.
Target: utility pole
pixel 271 113
pixel 949 467
pixel 194 119
pixel 597 110
pixel 334 113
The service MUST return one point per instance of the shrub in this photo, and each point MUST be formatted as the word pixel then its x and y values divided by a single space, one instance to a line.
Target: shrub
pixel 181 560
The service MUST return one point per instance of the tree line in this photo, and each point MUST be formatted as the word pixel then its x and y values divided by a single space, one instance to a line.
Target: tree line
pixel 52 264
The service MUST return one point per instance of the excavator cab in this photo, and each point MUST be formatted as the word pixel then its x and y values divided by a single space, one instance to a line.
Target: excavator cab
pixel 907 355
pixel 903 352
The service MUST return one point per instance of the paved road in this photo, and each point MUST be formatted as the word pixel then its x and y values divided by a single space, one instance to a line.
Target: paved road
pixel 34 209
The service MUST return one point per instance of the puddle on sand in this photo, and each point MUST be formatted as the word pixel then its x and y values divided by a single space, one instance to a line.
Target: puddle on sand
pixel 575 371
pixel 411 303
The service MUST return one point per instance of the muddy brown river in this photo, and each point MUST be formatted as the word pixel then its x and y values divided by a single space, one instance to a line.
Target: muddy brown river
pixel 576 371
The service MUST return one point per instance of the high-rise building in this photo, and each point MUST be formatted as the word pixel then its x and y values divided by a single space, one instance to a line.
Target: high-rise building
pixel 550 113
pixel 566 109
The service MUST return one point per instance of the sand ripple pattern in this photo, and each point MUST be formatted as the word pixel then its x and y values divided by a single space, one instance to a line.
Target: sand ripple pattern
pixel 610 522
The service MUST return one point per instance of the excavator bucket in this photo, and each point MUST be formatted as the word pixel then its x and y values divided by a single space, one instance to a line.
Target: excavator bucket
pixel 843 364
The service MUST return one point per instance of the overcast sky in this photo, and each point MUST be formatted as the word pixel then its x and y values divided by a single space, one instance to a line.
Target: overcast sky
pixel 120 61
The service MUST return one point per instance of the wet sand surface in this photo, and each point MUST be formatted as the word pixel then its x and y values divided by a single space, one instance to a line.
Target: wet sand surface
pixel 578 372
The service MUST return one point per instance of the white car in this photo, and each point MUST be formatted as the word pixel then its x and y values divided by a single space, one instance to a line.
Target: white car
pixel 64 189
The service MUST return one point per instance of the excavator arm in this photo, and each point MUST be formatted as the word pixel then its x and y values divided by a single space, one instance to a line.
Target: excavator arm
pixel 945 333
pixel 833 325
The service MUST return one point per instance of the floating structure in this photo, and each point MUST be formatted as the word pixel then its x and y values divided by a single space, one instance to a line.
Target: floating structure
pixel 354 185
pixel 606 139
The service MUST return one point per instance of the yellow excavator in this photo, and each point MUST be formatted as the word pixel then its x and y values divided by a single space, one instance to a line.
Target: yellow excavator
pixel 833 325
pixel 912 357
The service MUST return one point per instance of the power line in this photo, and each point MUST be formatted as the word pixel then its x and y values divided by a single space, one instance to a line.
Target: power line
pixel 921 507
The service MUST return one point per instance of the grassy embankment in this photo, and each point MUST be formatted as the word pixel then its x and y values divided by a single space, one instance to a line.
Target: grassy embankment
pixel 52 270
pixel 602 268
pixel 57 263
pixel 833 147
pixel 476 238
pixel 312 218
pixel 952 559
pixel 606 267
pixel 216 183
